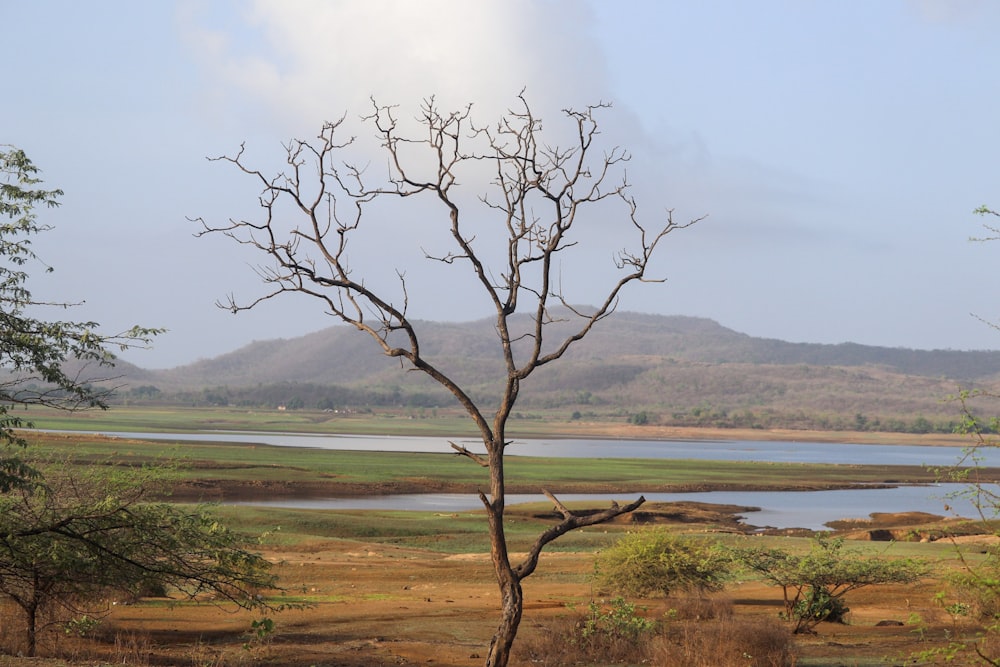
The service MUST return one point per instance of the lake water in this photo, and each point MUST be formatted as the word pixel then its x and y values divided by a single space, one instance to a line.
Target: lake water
pixel 778 509
pixel 783 509
pixel 735 450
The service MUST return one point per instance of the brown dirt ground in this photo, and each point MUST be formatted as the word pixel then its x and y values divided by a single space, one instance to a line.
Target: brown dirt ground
pixel 383 605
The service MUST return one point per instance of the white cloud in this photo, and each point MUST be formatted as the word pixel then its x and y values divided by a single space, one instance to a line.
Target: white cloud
pixel 321 59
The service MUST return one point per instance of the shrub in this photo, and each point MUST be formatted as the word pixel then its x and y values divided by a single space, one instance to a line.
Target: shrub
pixel 814 584
pixel 820 605
pixel 613 631
pixel 654 561
pixel 729 641
pixel 617 618
pixel 698 633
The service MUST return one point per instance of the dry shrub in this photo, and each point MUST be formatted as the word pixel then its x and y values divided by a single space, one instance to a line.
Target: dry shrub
pixel 132 648
pixel 700 608
pixel 724 642
pixel 11 629
pixel 205 655
pixel 556 642
pixel 978 588
pixel 696 632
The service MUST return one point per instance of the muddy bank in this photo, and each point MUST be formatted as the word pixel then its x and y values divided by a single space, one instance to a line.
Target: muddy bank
pixel 227 490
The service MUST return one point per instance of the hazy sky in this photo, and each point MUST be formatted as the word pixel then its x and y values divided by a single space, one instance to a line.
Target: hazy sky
pixel 838 148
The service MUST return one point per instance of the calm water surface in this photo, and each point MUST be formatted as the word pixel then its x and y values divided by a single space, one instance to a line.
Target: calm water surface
pixel 783 509
pixel 735 450
pixel 778 509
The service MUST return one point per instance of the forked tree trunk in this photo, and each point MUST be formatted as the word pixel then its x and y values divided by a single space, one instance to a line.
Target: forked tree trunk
pixel 508 576
pixel 508 580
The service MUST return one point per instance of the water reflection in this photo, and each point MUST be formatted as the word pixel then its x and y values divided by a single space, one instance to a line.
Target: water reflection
pixel 779 509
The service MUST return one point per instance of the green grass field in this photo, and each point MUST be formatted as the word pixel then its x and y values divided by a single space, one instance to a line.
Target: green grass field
pixel 324 554
pixel 453 423
pixel 331 473
pixel 210 461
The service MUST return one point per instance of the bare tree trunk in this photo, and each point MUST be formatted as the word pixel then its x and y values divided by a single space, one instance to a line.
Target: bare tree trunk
pixel 31 634
pixel 508 579
pixel 511 607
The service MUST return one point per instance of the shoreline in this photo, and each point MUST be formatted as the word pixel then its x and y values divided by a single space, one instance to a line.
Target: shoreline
pixel 616 431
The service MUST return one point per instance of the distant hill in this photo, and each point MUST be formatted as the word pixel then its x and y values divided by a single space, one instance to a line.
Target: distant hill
pixel 341 355
pixel 669 364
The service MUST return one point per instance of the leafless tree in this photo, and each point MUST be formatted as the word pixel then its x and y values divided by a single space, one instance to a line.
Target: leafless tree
pixel 315 208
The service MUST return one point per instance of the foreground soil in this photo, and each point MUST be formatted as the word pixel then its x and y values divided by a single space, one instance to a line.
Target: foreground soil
pixel 378 604
pixel 381 604
pixel 396 607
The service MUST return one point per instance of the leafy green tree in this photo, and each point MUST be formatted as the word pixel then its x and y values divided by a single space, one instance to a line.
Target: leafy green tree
pixel 814 584
pixel 657 562
pixel 82 534
pixel 34 350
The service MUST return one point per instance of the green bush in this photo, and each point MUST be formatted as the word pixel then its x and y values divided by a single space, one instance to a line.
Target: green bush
pixel 814 584
pixel 819 605
pixel 656 562
pixel 618 618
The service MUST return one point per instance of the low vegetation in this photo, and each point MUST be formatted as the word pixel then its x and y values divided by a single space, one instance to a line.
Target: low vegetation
pixel 814 585
pixel 76 538
pixel 215 471
pixel 655 561
pixel 346 572
pixel 694 632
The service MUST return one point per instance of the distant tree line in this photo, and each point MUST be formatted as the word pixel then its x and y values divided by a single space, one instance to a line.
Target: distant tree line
pixel 763 419
pixel 289 395
pixel 308 396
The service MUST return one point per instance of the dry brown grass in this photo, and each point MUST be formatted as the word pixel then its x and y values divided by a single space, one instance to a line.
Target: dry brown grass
pixel 695 632
pixel 384 604
pixel 729 641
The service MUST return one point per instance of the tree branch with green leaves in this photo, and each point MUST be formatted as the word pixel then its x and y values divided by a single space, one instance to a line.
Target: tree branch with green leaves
pixel 43 361
pixel 87 533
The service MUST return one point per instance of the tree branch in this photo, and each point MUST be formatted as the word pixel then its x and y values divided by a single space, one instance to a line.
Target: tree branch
pixel 465 452
pixel 571 521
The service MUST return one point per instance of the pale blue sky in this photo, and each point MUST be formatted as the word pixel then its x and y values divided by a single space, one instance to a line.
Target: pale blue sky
pixel 838 148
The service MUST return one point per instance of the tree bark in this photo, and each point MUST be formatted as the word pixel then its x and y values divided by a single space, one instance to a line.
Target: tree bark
pixel 511 608
pixel 31 619
pixel 508 579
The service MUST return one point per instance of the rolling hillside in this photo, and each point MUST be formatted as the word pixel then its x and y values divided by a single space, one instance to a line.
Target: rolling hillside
pixel 676 369
pixel 340 355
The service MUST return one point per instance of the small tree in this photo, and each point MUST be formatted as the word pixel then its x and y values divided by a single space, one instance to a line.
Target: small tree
pixel 658 562
pixel 814 584
pixel 66 543
pixel 313 214
pixel 34 351
pixel 978 584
